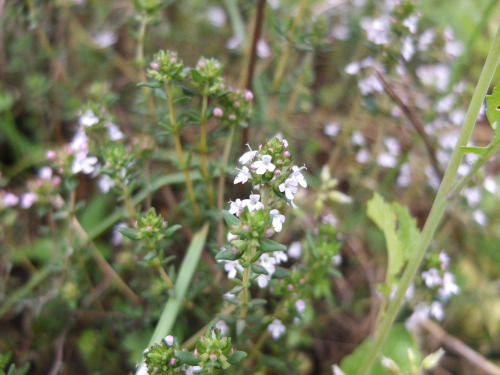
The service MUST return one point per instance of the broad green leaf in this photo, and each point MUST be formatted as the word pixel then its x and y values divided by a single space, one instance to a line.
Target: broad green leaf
pixel 407 232
pixel 267 245
pixel 187 357
pixel 230 219
pixel 384 217
pixel 171 230
pixel 493 108
pixel 186 272
pixel 396 347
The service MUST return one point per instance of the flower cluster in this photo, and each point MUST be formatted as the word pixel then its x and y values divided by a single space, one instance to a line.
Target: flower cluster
pixel 235 107
pixel 252 221
pixel 166 66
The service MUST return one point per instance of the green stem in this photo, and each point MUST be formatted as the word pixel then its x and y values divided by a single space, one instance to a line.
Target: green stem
pixel 180 151
pixel 222 179
pixel 203 147
pixel 438 207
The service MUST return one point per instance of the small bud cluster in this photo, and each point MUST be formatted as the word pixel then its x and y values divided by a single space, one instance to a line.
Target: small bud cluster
pixel 212 352
pixel 150 228
pixel 166 66
pixel 235 107
pixel 206 75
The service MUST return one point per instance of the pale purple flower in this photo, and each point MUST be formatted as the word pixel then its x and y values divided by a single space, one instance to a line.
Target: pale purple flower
pixel 222 326
pixel 248 95
pixel 253 203
pixel 276 328
pixel 300 305
pixel 370 84
pixel 480 217
pixel 263 49
pixel 105 183
pixel 45 173
pixel 231 267
pixel 243 175
pixel 332 129
pixel 377 30
pixel 10 199
pixel 277 219
pixel 264 165
pixel 80 142
pixel 28 199
pixel 216 16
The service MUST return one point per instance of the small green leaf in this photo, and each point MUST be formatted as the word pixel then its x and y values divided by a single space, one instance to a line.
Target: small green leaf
pixel 182 99
pixel 151 84
pixel 129 232
pixel 187 358
pixel 236 357
pixel 280 273
pixel 473 150
pixel 493 108
pixel 258 302
pixel 267 245
pixel 197 77
pixel 171 230
pixel 230 219
pixel 236 289
pixel 259 270
pixel 227 254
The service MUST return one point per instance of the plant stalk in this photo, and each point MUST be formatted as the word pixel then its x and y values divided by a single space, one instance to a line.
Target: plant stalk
pixel 438 208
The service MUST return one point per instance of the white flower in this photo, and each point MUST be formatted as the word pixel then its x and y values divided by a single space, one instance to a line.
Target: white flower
pixel 278 220
pixel 142 370
pixel 276 328
pixel 105 183
pixel 289 187
pixel 295 250
pixel 216 16
pixel 448 287
pixel 80 142
pixel 83 163
pixel 370 84
pixel 279 256
pixel 190 370
pixel 222 326
pixel 88 118
pixel 253 203
pixel 114 131
pixel 243 175
pixel 169 340
pixel 264 164
pixel 431 278
pixel 45 173
pixel 332 129
pixel 248 156
pixel 231 267
pixel 104 39
pixel 268 263
pixel 299 177
pixel 377 30
pixel 236 207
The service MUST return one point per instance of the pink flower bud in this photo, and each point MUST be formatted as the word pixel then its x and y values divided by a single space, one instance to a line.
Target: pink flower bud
pixel 248 95
pixel 173 60
pixel 51 154
pixel 232 117
pixel 236 104
pixel 277 172
pixel 155 65
pixel 173 361
pixel 286 154
pixel 149 228
pixel 213 357
pixel 218 112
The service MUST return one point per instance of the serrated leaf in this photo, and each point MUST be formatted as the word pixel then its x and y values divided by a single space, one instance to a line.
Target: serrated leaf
pixel 227 254
pixel 408 231
pixel 151 84
pixel 280 273
pixel 493 108
pixel 267 245
pixel 129 232
pixel 259 270
pixel 187 358
pixel 396 347
pixel 473 150
pixel 230 219
pixel 382 214
pixel 236 357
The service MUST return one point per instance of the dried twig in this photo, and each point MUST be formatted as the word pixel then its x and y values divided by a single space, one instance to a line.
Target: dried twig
pixel 415 121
